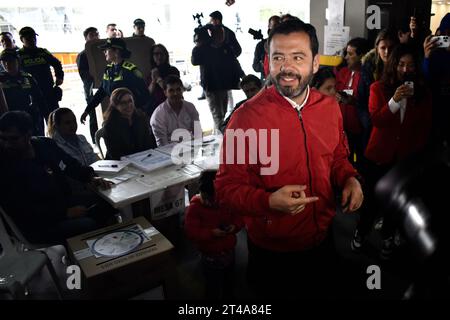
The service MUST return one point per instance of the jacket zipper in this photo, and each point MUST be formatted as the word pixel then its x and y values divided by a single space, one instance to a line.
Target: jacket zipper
pixel 299 112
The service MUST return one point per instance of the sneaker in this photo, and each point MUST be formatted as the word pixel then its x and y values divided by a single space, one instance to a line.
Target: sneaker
pixel 378 224
pixel 387 248
pixel 356 242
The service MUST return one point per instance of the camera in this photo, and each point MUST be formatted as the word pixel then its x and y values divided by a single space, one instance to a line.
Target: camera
pixel 442 41
pixel 257 35
pixel 203 34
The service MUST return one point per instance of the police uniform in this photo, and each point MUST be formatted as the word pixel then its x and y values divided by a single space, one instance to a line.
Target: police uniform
pixel 127 75
pixel 37 62
pixel 23 93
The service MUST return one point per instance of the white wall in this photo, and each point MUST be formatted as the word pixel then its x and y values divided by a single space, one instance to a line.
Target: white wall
pixel 354 17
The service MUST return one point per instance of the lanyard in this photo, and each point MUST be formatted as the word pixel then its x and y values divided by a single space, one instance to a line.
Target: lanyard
pixel 350 82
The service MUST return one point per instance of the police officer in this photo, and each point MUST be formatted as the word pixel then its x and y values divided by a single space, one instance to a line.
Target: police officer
pixel 37 62
pixel 7 42
pixel 21 90
pixel 120 73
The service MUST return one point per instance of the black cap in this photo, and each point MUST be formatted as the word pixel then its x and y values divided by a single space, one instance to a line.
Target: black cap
pixel 139 22
pixel 116 43
pixel 27 31
pixel 9 54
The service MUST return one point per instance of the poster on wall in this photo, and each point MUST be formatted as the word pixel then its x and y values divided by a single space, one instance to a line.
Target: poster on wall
pixel 335 39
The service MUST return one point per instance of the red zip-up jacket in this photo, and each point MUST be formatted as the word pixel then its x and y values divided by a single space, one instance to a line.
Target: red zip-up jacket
pixel 390 139
pixel 201 220
pixel 312 151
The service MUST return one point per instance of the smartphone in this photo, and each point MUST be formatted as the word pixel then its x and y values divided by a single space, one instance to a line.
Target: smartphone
pixel 442 41
pixel 410 84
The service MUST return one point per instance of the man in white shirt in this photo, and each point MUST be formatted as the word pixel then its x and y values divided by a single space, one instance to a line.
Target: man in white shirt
pixel 174 113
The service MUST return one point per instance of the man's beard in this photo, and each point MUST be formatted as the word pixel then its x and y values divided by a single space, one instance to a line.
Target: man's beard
pixel 288 91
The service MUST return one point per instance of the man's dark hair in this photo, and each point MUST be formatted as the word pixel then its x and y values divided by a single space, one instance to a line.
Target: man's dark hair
pixel 216 15
pixel 295 25
pixel 250 78
pixel 172 79
pixel 361 45
pixel 287 16
pixel 6 33
pixel 16 119
pixel 206 184
pixel 110 25
pixel 321 76
pixel 88 30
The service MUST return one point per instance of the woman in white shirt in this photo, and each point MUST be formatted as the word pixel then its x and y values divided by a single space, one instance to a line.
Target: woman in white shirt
pixel 62 127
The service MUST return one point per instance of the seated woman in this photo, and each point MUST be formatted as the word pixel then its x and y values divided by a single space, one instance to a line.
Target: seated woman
pixel 160 69
pixel 62 127
pixel 126 129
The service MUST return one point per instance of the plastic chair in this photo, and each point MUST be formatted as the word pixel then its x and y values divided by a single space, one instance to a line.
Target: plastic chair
pixel 18 267
pixel 98 136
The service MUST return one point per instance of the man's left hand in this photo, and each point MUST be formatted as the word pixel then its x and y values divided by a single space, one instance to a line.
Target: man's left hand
pixel 101 183
pixel 352 195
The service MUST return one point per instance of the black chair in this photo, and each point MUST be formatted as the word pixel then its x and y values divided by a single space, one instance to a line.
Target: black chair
pixel 19 264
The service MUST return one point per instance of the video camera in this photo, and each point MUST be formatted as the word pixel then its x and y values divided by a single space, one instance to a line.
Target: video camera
pixel 201 33
pixel 257 35
pixel 414 192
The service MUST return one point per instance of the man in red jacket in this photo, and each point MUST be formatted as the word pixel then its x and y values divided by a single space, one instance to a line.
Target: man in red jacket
pixel 287 200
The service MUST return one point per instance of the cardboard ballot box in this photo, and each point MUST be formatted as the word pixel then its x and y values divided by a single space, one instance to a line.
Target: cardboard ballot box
pixel 123 260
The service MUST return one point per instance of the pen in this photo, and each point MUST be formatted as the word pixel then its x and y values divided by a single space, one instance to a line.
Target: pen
pixel 108 166
pixel 149 155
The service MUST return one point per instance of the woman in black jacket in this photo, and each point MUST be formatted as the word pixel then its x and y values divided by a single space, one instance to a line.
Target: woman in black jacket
pixel 160 69
pixel 126 129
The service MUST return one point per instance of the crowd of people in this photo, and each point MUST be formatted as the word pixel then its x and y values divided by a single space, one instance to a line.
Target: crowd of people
pixel 333 132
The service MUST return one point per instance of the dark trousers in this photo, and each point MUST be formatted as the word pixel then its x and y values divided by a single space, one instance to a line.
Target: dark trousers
pixel 370 210
pixel 218 270
pixel 311 273
pixel 218 104
pixel 51 101
pixel 88 86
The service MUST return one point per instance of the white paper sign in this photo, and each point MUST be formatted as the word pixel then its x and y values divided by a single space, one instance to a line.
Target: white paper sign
pixel 167 202
pixel 335 12
pixel 335 39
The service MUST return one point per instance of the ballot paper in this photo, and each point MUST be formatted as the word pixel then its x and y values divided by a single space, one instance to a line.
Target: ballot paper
pixel 148 160
pixel 121 177
pixel 109 166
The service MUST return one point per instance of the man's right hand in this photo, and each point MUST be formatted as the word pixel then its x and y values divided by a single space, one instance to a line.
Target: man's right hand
pixel 83 117
pixel 290 199
pixel 76 212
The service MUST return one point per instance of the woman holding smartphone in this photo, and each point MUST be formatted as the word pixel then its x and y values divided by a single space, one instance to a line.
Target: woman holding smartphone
pixel 401 117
